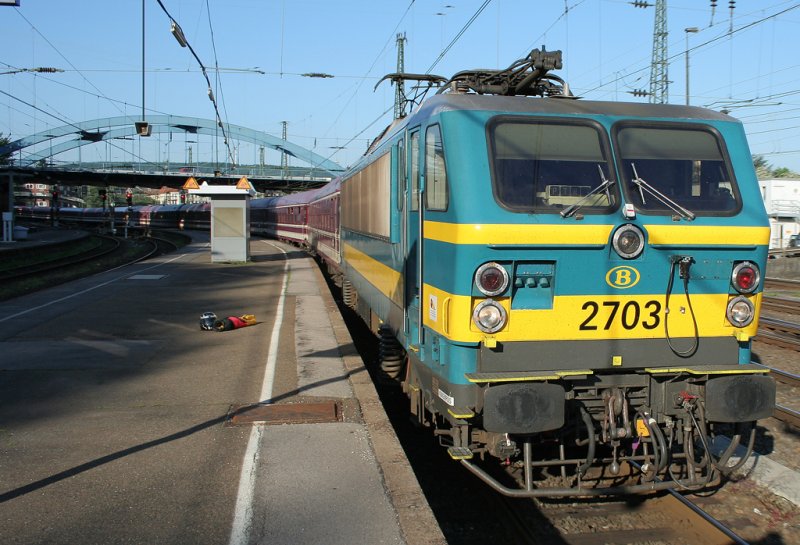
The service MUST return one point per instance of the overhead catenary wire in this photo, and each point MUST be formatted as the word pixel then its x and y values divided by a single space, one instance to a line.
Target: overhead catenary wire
pixel 84 91
pixel 577 9
pixel 19 11
pixel 217 79
pixel 368 72
pixel 14 68
pixel 458 35
pixel 562 15
pixel 433 65
pixel 726 35
pixel 71 124
pixel 208 81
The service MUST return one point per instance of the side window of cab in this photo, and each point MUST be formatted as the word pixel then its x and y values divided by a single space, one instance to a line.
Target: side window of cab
pixel 435 170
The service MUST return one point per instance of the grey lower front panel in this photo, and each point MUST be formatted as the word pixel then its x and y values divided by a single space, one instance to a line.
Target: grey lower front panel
pixel 440 395
pixel 602 354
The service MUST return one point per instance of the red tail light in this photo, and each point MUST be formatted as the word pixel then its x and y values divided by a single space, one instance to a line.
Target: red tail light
pixel 491 279
pixel 745 277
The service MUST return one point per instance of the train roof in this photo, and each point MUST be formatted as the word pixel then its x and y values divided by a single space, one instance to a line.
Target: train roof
pixel 566 106
pixel 450 102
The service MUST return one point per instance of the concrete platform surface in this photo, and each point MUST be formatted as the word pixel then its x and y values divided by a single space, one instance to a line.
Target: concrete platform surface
pixel 118 415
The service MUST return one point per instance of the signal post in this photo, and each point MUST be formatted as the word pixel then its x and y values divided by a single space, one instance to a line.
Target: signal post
pixel 230 218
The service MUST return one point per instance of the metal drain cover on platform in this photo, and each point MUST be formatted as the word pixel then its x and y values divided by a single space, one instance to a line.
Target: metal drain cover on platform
pixel 289 413
pixel 147 277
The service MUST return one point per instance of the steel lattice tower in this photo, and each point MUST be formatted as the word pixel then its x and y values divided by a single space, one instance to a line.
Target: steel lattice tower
pixel 659 79
pixel 400 90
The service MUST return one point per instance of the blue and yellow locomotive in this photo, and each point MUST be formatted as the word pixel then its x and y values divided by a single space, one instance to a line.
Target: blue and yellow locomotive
pixel 564 286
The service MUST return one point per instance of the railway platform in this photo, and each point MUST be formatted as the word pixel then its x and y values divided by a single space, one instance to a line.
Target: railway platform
pixel 122 421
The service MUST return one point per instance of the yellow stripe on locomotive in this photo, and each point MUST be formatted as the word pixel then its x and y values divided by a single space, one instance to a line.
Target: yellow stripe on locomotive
pixel 588 317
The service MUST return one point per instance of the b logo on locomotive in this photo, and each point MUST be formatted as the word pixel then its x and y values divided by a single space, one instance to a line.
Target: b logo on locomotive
pixel 622 277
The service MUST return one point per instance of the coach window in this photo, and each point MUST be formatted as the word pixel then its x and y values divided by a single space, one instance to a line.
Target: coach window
pixel 435 171
pixel 415 170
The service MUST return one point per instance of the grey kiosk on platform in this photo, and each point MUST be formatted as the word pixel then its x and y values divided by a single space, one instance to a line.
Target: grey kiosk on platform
pixel 230 218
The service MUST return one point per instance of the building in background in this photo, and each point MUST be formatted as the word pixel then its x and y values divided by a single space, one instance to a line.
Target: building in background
pixel 782 201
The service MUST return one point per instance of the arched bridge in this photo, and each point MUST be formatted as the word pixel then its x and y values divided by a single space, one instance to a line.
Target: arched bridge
pixel 148 173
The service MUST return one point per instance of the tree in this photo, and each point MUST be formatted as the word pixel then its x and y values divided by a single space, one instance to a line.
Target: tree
pixel 765 171
pixel 92 197
pixel 784 172
pixel 763 168
pixel 5 158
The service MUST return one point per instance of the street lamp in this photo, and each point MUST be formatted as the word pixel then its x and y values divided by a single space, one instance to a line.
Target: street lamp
pixel 142 127
pixel 690 30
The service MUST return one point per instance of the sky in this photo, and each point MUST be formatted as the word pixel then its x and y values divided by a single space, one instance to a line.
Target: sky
pixel 256 51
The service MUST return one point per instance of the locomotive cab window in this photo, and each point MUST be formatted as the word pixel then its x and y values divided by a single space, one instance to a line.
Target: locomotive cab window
pixel 401 173
pixel 547 166
pixel 414 174
pixel 667 166
pixel 435 171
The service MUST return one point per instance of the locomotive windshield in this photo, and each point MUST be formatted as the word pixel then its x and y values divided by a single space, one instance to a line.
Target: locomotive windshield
pixel 549 166
pixel 686 165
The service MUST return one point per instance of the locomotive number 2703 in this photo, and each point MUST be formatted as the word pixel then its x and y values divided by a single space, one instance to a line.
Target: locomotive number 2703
pixel 629 315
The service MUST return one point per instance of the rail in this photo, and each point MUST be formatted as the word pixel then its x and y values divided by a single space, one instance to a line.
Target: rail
pixel 782 413
pixel 779 333
pixel 780 304
pixel 787 416
pixel 784 252
pixel 781 283
pixel 636 520
pixel 107 246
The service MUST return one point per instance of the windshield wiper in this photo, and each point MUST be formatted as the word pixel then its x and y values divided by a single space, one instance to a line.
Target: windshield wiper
pixel 666 201
pixel 570 210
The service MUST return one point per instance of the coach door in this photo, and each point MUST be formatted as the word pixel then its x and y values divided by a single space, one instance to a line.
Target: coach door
pixel 412 244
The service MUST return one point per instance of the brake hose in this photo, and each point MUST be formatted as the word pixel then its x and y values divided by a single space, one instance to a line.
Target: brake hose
pixel 587 420
pixel 712 467
pixel 660 452
pixel 685 263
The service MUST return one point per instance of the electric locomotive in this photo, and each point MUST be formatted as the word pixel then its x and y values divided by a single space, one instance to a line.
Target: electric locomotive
pixel 564 287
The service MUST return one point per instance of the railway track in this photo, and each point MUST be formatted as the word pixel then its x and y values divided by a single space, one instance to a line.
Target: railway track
pixel 790 305
pixel 779 333
pixel 778 304
pixel 104 245
pixel 785 414
pixel 783 334
pixel 110 253
pixel 781 284
pixel 790 379
pixel 634 520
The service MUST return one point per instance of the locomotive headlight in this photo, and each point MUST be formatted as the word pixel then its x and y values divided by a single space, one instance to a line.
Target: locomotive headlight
pixel 740 311
pixel 491 279
pixel 745 277
pixel 628 241
pixel 489 316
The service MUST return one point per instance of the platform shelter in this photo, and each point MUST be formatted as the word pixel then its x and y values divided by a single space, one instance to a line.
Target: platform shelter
pixel 230 218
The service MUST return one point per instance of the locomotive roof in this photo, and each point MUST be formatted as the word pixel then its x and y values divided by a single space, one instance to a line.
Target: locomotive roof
pixel 453 102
